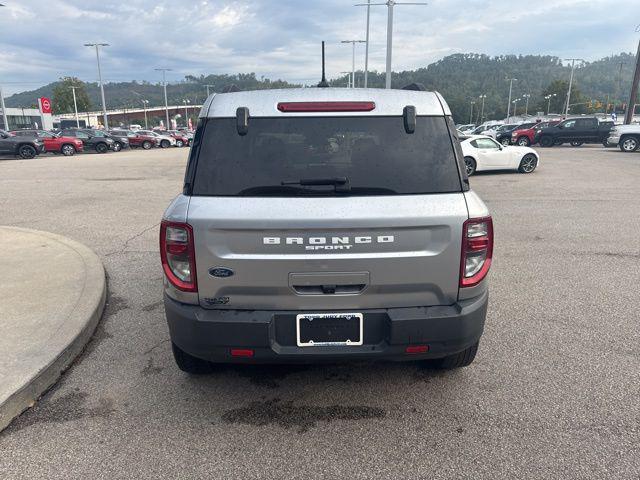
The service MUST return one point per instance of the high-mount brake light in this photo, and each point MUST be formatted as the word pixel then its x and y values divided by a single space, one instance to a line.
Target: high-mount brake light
pixel 477 250
pixel 178 255
pixel 295 107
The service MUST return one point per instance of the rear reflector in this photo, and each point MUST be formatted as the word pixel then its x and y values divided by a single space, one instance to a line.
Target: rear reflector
pixel 241 352
pixel 412 349
pixel 326 106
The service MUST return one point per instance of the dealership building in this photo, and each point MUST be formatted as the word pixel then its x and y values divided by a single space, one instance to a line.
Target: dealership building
pixel 17 118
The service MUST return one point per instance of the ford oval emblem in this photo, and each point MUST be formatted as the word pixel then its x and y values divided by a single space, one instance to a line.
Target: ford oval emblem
pixel 220 272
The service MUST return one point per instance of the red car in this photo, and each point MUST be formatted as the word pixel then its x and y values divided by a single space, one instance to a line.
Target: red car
pixel 53 143
pixel 137 140
pixel 526 137
pixel 181 139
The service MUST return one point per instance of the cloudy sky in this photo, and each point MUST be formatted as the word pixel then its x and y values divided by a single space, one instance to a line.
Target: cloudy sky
pixel 41 40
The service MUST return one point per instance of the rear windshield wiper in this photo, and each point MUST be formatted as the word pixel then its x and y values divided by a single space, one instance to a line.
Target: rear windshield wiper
pixel 340 184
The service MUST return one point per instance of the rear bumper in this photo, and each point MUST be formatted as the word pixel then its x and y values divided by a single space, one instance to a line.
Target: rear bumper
pixel 211 334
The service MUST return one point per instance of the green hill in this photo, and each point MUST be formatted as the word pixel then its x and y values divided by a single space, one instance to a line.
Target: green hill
pixel 460 78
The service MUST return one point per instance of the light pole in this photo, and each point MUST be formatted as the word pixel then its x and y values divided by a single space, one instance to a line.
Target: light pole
pixel 471 112
pixel 104 104
pixel 573 66
pixel 186 115
pixel 353 59
pixel 164 83
pixel 390 4
pixel 510 80
pixel 75 106
pixel 482 97
pixel 548 98
pixel 5 122
pixel 526 96
pixel 144 106
pixel 366 47
pixel 515 107
pixel 348 74
pixel 208 89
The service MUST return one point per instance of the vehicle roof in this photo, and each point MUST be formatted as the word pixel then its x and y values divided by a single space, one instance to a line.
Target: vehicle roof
pixel 263 103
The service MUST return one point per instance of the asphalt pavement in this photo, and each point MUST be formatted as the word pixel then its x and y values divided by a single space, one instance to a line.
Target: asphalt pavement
pixel 553 392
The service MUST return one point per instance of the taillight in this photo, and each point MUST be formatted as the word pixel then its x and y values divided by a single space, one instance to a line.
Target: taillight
pixel 326 106
pixel 477 249
pixel 178 255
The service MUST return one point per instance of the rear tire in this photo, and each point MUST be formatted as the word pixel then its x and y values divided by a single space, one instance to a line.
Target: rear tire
pixel 165 144
pixel 179 143
pixel 470 165
pixel 27 152
pixel 117 147
pixel 146 145
pixel 189 363
pixel 546 141
pixel 523 142
pixel 629 144
pixel 528 163
pixel 102 148
pixel 457 360
pixel 68 150
pixel 576 144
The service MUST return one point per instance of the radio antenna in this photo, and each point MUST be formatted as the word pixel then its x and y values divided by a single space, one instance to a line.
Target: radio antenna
pixel 323 83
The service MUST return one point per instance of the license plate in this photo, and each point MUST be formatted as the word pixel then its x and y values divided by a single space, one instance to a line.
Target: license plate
pixel 329 329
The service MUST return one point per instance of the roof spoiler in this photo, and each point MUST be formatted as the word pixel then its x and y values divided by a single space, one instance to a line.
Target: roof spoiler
pixel 415 86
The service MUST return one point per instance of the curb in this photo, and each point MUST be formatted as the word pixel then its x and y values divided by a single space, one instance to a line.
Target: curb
pixel 76 332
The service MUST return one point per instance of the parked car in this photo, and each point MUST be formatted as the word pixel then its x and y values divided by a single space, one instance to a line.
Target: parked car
pixel 466 128
pixel 525 137
pixel 181 139
pixel 120 142
pixel 503 134
pixel 575 131
pixel 53 143
pixel 24 147
pixel 627 137
pixel 484 153
pixel 164 140
pixel 321 228
pixel 91 139
pixel 138 140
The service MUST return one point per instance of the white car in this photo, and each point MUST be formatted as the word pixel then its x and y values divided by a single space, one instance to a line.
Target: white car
pixel 484 153
pixel 164 141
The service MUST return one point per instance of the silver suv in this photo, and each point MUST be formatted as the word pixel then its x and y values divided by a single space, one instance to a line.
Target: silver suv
pixel 324 224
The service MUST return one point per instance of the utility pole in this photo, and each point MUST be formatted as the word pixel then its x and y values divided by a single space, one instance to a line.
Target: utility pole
pixel 471 113
pixel 353 58
pixel 75 106
pixel 526 108
pixel 104 104
pixel 548 98
pixel 628 118
pixel 164 83
pixel 510 80
pixel 390 4
pixel 573 66
pixel 208 89
pixel 5 122
pixel 482 97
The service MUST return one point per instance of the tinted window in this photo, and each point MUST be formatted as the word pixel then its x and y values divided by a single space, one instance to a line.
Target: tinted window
pixel 375 154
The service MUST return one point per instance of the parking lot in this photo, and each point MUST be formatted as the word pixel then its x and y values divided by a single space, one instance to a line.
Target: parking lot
pixel 553 392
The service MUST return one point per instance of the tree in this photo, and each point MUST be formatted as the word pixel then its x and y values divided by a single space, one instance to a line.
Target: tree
pixel 579 103
pixel 63 96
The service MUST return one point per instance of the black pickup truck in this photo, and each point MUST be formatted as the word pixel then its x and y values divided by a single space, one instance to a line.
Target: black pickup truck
pixel 575 131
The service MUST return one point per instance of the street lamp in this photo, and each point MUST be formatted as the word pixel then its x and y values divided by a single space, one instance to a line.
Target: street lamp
pixel 510 80
pixel 104 105
pixel 366 47
pixel 164 83
pixel 482 97
pixel 548 99
pixel 75 106
pixel 353 59
pixel 515 106
pixel 471 112
pixel 390 4
pixel 186 115
pixel 527 96
pixel 573 66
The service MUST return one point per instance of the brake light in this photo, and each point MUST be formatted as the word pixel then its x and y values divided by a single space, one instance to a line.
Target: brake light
pixel 326 106
pixel 178 255
pixel 477 250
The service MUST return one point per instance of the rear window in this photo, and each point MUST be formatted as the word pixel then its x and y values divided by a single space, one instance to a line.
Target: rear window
pixel 353 155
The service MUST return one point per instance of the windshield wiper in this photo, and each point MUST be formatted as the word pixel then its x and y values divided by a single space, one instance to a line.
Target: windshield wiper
pixel 340 184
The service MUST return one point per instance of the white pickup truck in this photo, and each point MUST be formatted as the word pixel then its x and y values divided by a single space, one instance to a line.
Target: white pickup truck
pixel 627 137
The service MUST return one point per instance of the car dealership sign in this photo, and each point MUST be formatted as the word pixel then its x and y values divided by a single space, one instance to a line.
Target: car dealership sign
pixel 45 105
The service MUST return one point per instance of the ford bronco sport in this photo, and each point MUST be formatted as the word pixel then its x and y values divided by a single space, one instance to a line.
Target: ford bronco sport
pixel 324 224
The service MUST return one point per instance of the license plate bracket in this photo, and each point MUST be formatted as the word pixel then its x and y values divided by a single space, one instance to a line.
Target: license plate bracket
pixel 329 329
